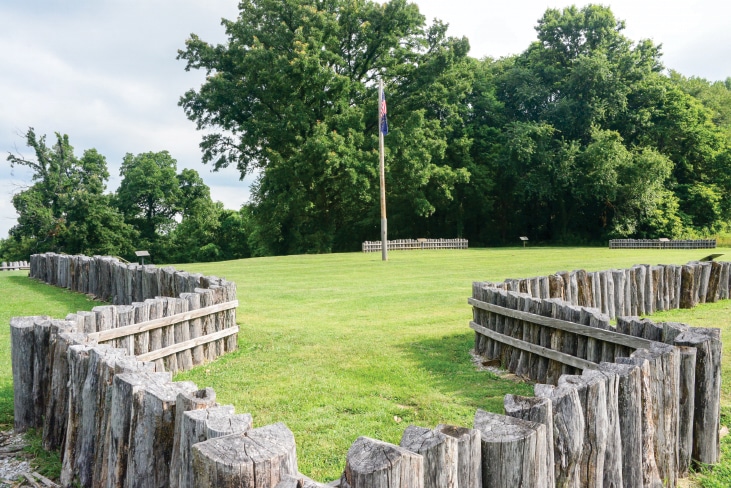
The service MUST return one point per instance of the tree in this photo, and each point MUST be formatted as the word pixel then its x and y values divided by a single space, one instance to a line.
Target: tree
pixel 292 95
pixel 65 209
pixel 149 193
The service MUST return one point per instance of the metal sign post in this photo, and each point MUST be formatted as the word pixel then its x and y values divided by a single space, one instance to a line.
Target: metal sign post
pixel 384 222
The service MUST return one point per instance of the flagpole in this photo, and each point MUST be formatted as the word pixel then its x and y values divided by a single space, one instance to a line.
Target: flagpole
pixel 384 222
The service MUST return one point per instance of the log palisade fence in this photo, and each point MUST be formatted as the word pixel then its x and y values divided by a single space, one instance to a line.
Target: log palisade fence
pixel 411 244
pixel 645 406
pixel 631 405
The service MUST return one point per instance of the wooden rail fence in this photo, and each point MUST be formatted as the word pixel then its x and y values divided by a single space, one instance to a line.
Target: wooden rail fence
pixel 14 266
pixel 411 244
pixel 638 403
pixel 662 244
pixel 632 406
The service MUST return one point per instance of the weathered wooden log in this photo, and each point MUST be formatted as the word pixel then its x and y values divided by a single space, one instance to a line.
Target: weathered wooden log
pixel 299 481
pixel 583 289
pixel 152 427
pixel 522 332
pixel 629 420
pixel 714 282
pixel 257 458
pixel 181 332
pixel 439 452
pixel 618 279
pixel 156 310
pixel 106 317
pixel 650 474
pixel 231 343
pixel 54 425
pixel 664 379
pixel 568 432
pixel 201 425
pixel 611 305
pixel 633 294
pixel 112 365
pixel 534 337
pixel 604 292
pixel 41 363
pixel 687 296
pixel 196 400
pixel 513 451
pixel 168 334
pixel 22 341
pixel 707 391
pixel 195 327
pixel 207 298
pixel 536 409
pixel 593 397
pixel 125 317
pixel 686 408
pixel 613 452
pixel 469 448
pixel 150 282
pixel 705 276
pixel 640 279
pixel 126 392
pixel 568 297
pixel 78 359
pixel 141 313
pixel 555 286
pixel 723 285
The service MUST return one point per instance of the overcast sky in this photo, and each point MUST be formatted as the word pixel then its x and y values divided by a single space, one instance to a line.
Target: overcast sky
pixel 104 71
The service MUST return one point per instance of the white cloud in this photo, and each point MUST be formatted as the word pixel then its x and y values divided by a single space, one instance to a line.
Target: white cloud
pixel 105 73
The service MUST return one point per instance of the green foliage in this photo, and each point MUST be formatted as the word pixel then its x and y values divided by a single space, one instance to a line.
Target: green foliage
pixel 292 94
pixel 65 209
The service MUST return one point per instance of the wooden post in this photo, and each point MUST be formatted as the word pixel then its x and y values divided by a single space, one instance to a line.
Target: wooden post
pixel 382 171
pixel 629 408
pixel 568 432
pixel 440 455
pixel 513 451
pixel 707 391
pixel 201 425
pixel 196 400
pixel 469 462
pixel 593 397
pixel 21 347
pixel 536 409
pixel 256 458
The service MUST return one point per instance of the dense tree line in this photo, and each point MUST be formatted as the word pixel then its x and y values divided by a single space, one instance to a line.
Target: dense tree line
pixel 584 136
pixel 66 208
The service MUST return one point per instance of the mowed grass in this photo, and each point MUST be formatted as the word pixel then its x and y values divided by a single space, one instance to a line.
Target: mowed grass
pixel 342 345
pixel 20 296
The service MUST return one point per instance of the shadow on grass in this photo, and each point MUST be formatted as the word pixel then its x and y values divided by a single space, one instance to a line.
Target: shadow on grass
pixel 453 373
pixel 49 293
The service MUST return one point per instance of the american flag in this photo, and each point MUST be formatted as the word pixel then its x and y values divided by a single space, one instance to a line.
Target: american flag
pixel 382 111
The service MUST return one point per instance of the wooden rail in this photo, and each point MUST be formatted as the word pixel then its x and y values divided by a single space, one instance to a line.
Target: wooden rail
pixel 564 325
pixel 412 244
pixel 128 330
pixel 182 346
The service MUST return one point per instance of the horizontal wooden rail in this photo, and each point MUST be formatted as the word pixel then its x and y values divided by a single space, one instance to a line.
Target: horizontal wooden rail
pixel 107 335
pixel 584 330
pixel 167 351
pixel 540 350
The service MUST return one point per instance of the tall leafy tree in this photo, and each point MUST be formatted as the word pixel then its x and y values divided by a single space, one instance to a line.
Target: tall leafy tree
pixel 292 95
pixel 66 209
pixel 149 194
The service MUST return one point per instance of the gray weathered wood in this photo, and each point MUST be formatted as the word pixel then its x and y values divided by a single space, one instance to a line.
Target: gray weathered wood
pixel 22 340
pixel 469 449
pixel 439 452
pixel 196 400
pixel 126 392
pixel 513 451
pixel 201 425
pixel 706 417
pixel 686 408
pixel 256 458
pixel 629 408
pixel 152 427
pixel 650 474
pixel 568 432
pixel 536 409
pixel 593 398
pixel 54 425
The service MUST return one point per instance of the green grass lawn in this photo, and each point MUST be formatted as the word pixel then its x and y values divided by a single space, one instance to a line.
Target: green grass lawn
pixel 342 345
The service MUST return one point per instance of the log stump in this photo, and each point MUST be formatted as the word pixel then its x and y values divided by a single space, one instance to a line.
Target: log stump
pixel 257 458
pixel 439 452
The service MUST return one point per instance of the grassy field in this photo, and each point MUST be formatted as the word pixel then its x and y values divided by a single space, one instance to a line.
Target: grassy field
pixel 342 345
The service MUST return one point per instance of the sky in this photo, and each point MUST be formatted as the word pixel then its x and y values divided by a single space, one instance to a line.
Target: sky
pixel 105 71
